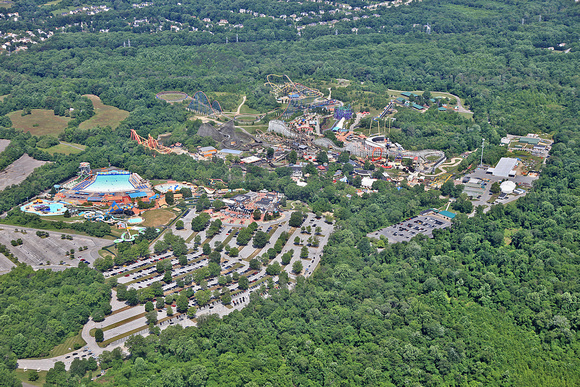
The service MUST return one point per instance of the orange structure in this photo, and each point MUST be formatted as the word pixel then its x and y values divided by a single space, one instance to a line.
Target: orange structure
pixel 150 143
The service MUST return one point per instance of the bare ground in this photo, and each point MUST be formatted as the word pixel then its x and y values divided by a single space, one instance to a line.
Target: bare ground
pixel 19 170
pixel 3 145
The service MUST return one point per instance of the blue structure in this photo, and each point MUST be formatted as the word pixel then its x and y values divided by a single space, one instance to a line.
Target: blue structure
pixel 201 105
pixel 447 214
pixel 345 112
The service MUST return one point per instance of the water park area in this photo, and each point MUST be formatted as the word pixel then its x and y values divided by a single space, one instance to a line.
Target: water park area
pixel 105 187
pixel 135 220
pixel 44 207
pixel 172 186
pixel 127 236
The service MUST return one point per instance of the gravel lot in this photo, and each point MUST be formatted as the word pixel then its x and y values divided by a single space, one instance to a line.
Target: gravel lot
pixel 19 170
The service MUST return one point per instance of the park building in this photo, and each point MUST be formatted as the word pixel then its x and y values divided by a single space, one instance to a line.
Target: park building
pixel 506 167
pixel 207 151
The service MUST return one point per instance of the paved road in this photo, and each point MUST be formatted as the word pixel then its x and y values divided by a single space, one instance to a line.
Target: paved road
pixel 238 302
pixel 460 107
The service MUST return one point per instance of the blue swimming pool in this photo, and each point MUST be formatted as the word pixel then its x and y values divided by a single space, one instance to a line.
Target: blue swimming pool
pixel 44 208
pixel 110 183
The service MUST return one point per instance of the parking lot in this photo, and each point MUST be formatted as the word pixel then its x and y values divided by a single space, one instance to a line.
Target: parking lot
pixel 51 250
pixel 404 231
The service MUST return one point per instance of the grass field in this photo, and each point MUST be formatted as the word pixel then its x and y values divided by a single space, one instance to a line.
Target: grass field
pixel 6 4
pixel 247 110
pixel 105 115
pixel 67 149
pixel 23 377
pixel 3 96
pixel 40 122
pixel 252 128
pixel 173 97
pixel 156 218
pixel 68 345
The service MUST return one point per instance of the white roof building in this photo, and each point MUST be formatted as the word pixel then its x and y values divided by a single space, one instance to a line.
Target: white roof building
pixel 507 187
pixel 505 167
pixel 250 160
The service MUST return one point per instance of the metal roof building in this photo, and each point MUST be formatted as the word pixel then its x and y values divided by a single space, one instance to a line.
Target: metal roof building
pixel 529 140
pixel 505 167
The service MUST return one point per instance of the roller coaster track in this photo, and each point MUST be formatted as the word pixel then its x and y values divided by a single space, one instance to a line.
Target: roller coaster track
pixel 287 86
pixel 443 167
pixel 150 143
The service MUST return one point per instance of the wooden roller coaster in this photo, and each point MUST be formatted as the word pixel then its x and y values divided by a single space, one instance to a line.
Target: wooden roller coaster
pixel 150 143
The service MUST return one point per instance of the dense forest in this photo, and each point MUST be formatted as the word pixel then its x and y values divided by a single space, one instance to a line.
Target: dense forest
pixel 40 308
pixel 491 301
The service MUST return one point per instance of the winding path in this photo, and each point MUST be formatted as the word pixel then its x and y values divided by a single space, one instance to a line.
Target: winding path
pixel 453 162
pixel 240 107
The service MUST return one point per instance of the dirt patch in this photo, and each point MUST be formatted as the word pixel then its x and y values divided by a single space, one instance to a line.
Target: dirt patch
pixel 19 170
pixel 3 145
pixel 39 122
pixel 156 218
pixel 105 115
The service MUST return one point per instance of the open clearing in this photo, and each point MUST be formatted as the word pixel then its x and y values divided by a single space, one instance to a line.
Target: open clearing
pixel 172 97
pixel 23 377
pixel 68 345
pixel 66 148
pixel 105 115
pixel 40 122
pixel 54 2
pixel 156 218
pixel 3 145
pixel 19 170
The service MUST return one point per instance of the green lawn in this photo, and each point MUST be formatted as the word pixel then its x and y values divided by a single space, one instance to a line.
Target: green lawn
pixel 105 115
pixel 68 345
pixel 23 377
pixel 40 122
pixel 247 110
pixel 54 2
pixel 67 149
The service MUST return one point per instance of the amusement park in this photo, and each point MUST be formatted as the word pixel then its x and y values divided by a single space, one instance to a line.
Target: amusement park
pixel 308 121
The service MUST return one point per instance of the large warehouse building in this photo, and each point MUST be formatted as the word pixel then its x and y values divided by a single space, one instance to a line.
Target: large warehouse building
pixel 506 167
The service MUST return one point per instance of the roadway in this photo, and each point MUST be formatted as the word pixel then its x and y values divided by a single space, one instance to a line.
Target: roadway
pixel 216 307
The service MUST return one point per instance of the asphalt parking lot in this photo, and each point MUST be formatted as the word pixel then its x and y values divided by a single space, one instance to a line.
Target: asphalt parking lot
pixel 38 252
pixel 406 230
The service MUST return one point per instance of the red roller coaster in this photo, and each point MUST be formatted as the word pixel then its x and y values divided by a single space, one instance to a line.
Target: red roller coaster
pixel 380 150
pixel 150 143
